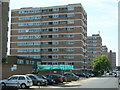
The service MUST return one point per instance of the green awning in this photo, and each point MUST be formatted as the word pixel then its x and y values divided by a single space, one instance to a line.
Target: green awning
pixel 62 67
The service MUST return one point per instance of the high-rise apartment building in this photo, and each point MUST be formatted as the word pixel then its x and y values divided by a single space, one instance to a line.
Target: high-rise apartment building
pixel 94 47
pixel 112 58
pixel 105 51
pixel 4 8
pixel 55 35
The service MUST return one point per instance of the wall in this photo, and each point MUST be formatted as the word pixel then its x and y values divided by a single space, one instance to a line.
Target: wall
pixel 21 69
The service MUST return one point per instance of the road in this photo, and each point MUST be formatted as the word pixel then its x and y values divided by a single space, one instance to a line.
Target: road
pixel 94 82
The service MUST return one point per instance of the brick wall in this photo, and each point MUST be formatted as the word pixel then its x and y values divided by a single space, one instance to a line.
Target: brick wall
pixel 21 69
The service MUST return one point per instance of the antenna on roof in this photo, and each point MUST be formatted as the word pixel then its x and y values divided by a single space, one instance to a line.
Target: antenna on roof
pixel 99 32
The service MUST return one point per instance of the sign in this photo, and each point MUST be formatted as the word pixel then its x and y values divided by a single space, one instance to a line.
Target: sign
pixel 62 67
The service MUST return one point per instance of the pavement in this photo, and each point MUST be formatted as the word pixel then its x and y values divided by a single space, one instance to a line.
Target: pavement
pixel 93 82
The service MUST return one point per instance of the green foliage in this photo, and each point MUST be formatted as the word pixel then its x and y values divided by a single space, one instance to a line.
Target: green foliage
pixel 101 64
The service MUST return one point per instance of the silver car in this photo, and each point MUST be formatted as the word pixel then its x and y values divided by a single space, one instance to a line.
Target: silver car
pixel 19 81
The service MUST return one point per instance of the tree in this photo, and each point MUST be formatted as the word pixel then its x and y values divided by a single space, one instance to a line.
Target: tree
pixel 100 64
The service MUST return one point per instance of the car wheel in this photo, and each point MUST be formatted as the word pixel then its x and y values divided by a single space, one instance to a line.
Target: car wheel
pixel 23 86
pixel 38 83
pixel 3 84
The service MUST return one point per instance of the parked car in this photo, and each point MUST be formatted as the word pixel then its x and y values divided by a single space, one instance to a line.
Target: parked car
pixel 36 80
pixel 57 78
pixel 83 75
pixel 63 77
pixel 71 77
pixel 49 80
pixel 19 81
pixel 92 75
pixel 79 74
pixel 86 75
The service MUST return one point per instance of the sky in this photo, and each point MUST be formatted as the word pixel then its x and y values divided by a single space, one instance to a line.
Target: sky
pixel 102 15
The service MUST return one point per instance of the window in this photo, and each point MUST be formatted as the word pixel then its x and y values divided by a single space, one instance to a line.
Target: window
pixel 55 16
pixel 28 43
pixel 29 11
pixel 63 9
pixel 28 50
pixel 94 52
pixel 44 56
pixel 70 22
pixel 55 22
pixel 55 36
pixel 69 42
pixel 32 62
pixel 62 16
pixel 19 61
pixel 55 57
pixel 69 29
pixel 55 43
pixel 55 29
pixel 29 18
pixel 44 17
pixel 69 57
pixel 69 49
pixel 21 78
pixel 45 10
pixel 29 37
pixel 91 45
pixel 94 41
pixel 55 50
pixel 13 78
pixel 70 36
pixel 44 43
pixel 63 22
pixel 70 8
pixel 29 24
pixel 44 24
pixel 44 36
pixel 27 61
pixel 28 78
pixel 94 37
pixel 32 77
pixel 70 15
pixel 55 9
pixel 50 57
pixel 55 63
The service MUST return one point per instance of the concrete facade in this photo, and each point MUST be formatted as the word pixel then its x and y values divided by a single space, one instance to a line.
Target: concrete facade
pixel 4 8
pixel 112 58
pixel 55 35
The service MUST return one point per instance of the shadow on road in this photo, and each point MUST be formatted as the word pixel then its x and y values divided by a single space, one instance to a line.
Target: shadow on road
pixel 70 85
pixel 106 76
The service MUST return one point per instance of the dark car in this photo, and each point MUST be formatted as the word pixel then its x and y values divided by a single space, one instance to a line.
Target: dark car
pixel 63 77
pixel 86 75
pixel 71 77
pixel 82 75
pixel 79 74
pixel 36 80
pixel 92 75
pixel 49 80
pixel 57 78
